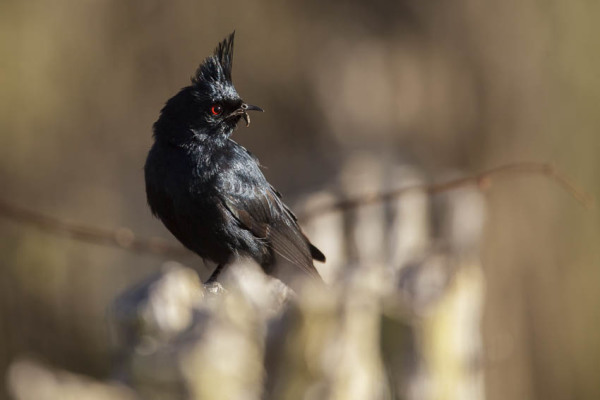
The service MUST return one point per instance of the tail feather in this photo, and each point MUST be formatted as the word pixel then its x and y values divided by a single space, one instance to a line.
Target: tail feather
pixel 316 253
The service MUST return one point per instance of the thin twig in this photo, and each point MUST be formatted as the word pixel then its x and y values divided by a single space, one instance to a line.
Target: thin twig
pixel 124 238
pixel 482 180
pixel 121 237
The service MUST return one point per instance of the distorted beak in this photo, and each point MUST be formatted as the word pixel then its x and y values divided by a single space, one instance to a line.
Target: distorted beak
pixel 243 111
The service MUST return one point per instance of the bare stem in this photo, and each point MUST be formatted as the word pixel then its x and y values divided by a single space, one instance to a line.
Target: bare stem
pixel 482 180
pixel 124 238
pixel 120 237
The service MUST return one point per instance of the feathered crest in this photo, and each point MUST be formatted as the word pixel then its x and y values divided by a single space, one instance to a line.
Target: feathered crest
pixel 218 66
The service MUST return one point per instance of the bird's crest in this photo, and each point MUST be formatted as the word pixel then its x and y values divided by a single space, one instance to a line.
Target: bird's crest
pixel 217 68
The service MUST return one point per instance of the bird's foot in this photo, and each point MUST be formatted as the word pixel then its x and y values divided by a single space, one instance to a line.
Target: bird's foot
pixel 214 288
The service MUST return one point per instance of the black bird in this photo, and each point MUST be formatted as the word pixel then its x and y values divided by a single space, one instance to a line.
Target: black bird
pixel 209 191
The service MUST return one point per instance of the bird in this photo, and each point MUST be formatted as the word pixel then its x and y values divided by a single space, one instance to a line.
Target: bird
pixel 209 191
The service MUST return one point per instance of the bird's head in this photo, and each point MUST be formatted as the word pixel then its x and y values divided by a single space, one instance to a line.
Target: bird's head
pixel 208 109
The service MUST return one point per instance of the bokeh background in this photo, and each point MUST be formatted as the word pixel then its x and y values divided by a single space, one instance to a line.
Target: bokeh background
pixel 446 86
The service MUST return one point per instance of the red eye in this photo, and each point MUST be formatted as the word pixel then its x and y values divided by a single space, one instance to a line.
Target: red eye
pixel 216 109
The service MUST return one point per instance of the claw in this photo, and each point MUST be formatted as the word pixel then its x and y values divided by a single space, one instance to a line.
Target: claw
pixel 246 118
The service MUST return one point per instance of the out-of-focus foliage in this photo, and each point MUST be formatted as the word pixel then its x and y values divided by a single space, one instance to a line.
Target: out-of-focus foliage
pixel 448 85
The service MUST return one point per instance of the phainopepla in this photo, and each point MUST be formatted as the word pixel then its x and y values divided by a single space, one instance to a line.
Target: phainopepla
pixel 209 191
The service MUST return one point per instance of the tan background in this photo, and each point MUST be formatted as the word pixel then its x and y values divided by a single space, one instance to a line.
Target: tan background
pixel 447 85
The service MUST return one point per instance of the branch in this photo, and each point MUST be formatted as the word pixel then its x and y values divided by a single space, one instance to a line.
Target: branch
pixel 120 237
pixel 483 180
pixel 124 238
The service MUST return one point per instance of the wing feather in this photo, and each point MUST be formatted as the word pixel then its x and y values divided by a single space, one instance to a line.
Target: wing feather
pixel 261 211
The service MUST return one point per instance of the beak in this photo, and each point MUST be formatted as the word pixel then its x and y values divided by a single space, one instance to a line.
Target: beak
pixel 248 107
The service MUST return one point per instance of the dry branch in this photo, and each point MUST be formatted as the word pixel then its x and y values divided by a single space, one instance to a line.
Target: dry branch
pixel 483 180
pixel 125 238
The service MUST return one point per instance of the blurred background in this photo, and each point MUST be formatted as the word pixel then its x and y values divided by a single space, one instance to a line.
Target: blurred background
pixel 448 87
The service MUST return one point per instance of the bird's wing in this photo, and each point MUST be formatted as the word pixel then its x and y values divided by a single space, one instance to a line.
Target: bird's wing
pixel 315 253
pixel 259 209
